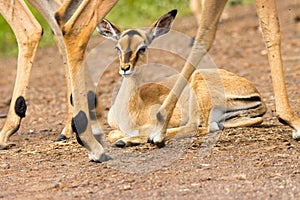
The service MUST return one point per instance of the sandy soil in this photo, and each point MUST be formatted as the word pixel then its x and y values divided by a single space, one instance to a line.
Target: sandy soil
pixel 260 162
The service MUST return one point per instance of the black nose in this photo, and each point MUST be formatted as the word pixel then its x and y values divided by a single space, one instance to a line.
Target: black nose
pixel 126 68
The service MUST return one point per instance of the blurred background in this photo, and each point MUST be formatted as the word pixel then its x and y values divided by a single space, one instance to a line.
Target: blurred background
pixel 126 12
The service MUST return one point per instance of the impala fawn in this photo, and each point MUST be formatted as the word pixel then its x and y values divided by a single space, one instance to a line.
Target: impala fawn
pixel 214 99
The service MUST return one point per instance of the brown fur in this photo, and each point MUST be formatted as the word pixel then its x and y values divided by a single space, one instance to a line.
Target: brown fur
pixel 210 93
pixel 73 25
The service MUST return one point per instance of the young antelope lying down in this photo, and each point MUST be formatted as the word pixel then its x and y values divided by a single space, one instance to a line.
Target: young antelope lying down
pixel 215 98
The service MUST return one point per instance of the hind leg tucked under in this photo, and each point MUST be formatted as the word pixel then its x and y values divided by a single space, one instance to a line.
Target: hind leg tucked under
pixel 242 122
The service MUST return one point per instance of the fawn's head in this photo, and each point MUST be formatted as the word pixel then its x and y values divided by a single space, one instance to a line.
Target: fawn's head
pixel 132 44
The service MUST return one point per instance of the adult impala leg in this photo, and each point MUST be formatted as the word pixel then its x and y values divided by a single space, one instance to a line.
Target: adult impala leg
pixel 205 36
pixel 28 33
pixel 196 8
pixel 77 20
pixel 47 10
pixel 269 23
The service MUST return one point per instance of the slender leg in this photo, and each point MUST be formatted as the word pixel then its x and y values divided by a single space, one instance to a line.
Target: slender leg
pixel 204 39
pixel 28 33
pixel 269 23
pixel 195 108
pixel 47 9
pixel 196 8
pixel 77 20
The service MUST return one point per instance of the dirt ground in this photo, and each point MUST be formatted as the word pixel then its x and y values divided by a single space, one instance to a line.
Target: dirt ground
pixel 260 162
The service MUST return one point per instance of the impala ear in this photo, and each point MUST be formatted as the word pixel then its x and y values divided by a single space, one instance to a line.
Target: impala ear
pixel 162 25
pixel 109 30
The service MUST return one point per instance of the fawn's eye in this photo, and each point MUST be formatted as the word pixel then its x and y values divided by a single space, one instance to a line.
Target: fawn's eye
pixel 118 50
pixel 142 49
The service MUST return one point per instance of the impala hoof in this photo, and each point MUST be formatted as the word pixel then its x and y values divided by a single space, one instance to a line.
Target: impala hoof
pixel 158 140
pixel 6 146
pixel 61 138
pixel 3 147
pixel 160 144
pixel 120 143
pixel 296 135
pixel 104 157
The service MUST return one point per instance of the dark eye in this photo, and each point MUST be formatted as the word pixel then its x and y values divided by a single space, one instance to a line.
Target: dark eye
pixel 142 50
pixel 118 50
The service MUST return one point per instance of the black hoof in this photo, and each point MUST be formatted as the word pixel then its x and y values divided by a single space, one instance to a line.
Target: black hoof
pixel 2 147
pixel 8 146
pixel 103 158
pixel 120 143
pixel 221 126
pixel 61 138
pixel 160 144
pixel 150 141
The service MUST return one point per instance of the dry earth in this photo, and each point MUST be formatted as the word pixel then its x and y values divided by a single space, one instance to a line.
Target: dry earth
pixel 244 163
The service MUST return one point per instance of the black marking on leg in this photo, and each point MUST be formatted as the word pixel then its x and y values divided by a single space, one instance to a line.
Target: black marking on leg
pixel 20 107
pixel 79 125
pixel 192 42
pixel 69 12
pixel 79 140
pixel 61 138
pixel 72 7
pixel 63 31
pixel 159 117
pixel 92 100
pixel 99 138
pixel 92 104
pixel 71 100
pixel 16 128
pixel 282 121
pixel 57 18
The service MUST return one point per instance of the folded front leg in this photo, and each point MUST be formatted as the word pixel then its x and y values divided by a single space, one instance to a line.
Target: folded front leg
pixel 210 16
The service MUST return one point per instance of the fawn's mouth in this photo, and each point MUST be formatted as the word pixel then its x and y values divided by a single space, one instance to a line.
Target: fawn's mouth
pixel 126 73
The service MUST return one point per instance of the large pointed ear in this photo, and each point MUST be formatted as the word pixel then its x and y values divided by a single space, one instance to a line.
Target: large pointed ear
pixel 162 25
pixel 109 30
